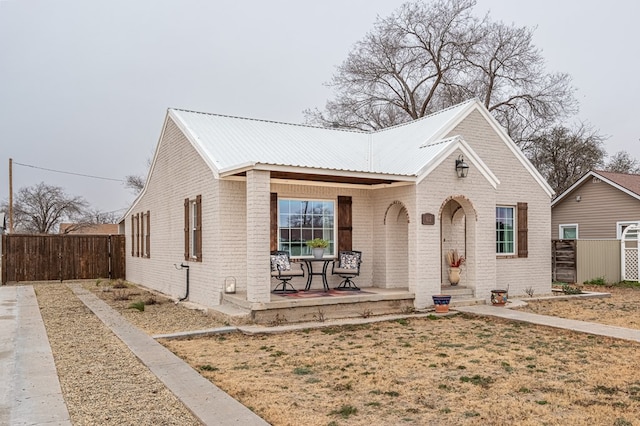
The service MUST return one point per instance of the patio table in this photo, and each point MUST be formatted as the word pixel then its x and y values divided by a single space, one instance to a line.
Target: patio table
pixel 323 273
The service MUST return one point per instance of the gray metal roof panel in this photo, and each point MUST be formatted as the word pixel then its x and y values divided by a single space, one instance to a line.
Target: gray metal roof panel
pixel 232 142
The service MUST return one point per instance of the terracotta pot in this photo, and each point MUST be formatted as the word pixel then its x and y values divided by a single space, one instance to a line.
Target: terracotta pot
pixel 441 303
pixel 454 275
pixel 499 297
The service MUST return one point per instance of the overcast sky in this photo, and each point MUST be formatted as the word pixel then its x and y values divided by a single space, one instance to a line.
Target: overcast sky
pixel 85 85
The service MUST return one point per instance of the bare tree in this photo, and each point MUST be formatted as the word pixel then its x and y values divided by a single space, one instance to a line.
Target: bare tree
pixel 41 208
pixel 89 218
pixel 135 183
pixel 429 56
pixel 563 155
pixel 623 162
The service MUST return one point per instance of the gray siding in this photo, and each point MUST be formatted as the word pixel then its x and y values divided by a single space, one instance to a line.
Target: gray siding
pixel 600 207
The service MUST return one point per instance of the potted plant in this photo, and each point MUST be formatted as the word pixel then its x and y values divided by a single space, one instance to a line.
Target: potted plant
pixel 455 261
pixel 318 245
pixel 441 303
pixel 499 297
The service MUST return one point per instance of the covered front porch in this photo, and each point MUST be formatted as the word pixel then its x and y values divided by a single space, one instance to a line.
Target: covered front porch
pixel 319 306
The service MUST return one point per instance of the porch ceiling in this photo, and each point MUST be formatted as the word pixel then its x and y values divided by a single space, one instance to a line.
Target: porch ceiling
pixel 327 178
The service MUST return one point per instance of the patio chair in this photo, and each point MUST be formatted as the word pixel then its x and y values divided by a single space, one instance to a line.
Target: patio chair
pixel 347 266
pixel 282 269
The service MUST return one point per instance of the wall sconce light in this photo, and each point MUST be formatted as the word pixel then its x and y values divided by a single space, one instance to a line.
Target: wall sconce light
pixel 578 198
pixel 462 168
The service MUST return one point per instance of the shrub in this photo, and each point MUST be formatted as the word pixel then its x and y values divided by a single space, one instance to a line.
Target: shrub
pixel 137 305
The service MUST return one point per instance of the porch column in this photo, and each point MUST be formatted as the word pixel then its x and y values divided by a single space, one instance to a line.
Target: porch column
pixel 258 235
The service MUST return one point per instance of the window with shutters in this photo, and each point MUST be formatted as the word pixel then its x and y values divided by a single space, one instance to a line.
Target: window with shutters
pixel 508 227
pixel 505 227
pixel 193 229
pixel 146 234
pixel 303 220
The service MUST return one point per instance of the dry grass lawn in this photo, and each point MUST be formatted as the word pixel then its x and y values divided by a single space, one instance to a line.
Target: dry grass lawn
pixel 438 370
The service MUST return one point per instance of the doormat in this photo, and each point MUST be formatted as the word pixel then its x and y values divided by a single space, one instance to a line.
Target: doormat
pixel 321 293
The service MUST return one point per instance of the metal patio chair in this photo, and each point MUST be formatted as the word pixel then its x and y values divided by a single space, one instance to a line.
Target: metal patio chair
pixel 283 270
pixel 347 267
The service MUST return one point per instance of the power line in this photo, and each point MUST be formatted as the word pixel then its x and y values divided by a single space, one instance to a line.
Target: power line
pixel 68 173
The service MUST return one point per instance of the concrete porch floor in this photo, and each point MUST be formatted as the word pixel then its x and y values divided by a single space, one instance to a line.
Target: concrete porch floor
pixel 370 301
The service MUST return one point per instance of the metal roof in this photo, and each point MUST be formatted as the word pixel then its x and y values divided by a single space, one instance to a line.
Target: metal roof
pixel 233 143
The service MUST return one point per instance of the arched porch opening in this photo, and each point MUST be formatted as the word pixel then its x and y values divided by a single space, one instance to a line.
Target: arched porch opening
pixel 458 232
pixel 396 231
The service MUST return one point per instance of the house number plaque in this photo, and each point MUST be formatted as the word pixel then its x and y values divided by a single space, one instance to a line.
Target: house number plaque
pixel 428 219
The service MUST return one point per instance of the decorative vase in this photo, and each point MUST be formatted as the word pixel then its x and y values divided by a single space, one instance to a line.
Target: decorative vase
pixel 499 297
pixel 318 252
pixel 454 275
pixel 441 303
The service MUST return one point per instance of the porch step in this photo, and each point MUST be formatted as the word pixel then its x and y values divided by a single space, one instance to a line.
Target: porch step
pixel 457 291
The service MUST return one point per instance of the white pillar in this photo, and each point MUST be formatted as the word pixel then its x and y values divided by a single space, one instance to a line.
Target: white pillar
pixel 258 235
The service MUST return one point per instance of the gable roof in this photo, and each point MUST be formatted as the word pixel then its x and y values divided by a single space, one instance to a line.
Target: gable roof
pixel 404 153
pixel 230 145
pixel 627 183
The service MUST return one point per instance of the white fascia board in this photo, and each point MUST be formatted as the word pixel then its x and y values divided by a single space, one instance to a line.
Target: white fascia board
pixel 150 171
pixel 477 106
pixel 572 187
pixel 588 175
pixel 195 143
pixel 458 143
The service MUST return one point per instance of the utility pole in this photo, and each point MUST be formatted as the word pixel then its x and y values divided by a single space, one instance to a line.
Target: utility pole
pixel 11 195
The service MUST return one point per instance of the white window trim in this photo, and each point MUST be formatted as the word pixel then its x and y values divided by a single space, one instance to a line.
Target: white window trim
pixel 567 225
pixel 334 237
pixel 515 229
pixel 620 224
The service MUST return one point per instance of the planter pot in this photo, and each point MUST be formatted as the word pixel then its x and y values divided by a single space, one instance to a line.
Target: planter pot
pixel 441 303
pixel 318 252
pixel 454 275
pixel 499 297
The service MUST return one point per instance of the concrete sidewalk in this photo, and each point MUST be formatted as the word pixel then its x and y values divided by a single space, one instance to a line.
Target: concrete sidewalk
pixel 30 392
pixel 567 324
pixel 206 401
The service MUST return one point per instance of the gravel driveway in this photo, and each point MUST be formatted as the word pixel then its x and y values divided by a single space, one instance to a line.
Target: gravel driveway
pixel 102 381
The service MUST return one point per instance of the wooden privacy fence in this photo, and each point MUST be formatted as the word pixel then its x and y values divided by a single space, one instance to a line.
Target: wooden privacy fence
pixel 563 261
pixel 62 257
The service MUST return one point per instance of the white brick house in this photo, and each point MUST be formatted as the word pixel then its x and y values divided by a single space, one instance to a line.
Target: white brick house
pixel 222 191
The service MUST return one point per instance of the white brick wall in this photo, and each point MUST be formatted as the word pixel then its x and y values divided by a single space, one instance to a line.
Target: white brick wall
pixel 400 252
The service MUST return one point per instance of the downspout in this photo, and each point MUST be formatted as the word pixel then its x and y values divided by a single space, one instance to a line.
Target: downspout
pixel 183 266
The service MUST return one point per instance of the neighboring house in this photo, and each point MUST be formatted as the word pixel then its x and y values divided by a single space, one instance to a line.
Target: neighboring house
pixel 599 205
pixel 596 210
pixel 222 192
pixel 85 228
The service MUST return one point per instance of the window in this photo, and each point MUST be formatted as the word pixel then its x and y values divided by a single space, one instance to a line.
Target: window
pixel 302 220
pixel 568 232
pixel 193 229
pixel 146 234
pixel 621 226
pixel 505 230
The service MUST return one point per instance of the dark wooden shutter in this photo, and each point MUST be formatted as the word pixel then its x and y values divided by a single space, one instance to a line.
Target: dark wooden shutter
pixel 148 242
pixel 199 228
pixel 344 223
pixel 133 236
pixel 273 222
pixel 523 230
pixel 186 229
